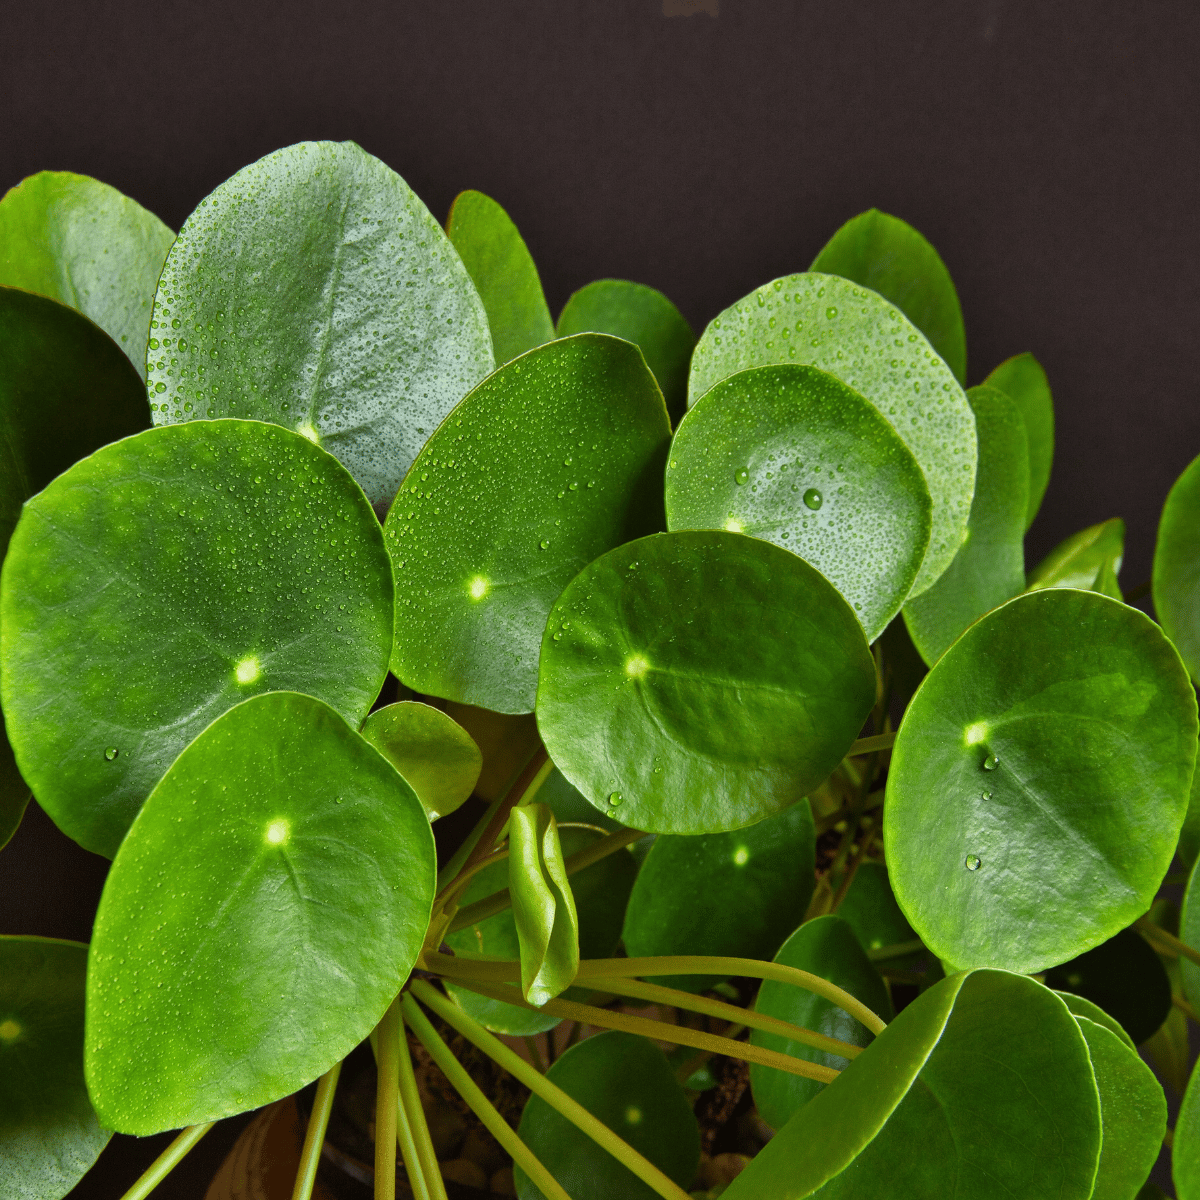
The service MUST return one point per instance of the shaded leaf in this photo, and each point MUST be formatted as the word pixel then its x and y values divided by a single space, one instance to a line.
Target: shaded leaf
pixel 1089 559
pixel 1022 379
pixel 869 907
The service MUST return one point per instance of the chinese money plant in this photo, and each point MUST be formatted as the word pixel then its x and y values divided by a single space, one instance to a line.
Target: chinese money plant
pixel 316 524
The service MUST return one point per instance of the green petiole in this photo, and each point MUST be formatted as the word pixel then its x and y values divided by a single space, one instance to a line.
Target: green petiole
pixel 167 1161
pixel 314 1138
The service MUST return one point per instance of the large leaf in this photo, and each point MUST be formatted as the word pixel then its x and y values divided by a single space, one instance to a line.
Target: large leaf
pixel 1022 379
pixel 503 272
pixel 49 1135
pixel 989 567
pixel 732 894
pixel 1176 581
pixel 792 455
pixel 164 579
pixel 315 290
pixel 82 242
pixel 434 753
pixel 1083 560
pixel 641 315
pixel 626 1082
pixel 890 257
pixel 829 948
pixel 548 463
pixel 1042 767
pixel 982 1089
pixel 697 682
pixel 831 323
pixel 211 992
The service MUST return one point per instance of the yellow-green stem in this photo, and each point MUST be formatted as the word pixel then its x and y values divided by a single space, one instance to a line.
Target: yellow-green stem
pixel 413 1116
pixel 386 1102
pixel 537 1083
pixel 1169 940
pixel 869 745
pixel 896 950
pixel 314 1137
pixel 170 1158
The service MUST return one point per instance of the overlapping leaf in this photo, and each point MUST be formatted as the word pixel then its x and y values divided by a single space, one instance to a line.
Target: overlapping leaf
pixel 1176 580
pixel 1022 379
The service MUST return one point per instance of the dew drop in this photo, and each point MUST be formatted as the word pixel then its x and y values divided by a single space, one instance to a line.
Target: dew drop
pixel 813 499
pixel 742 476
pixel 615 798
pixel 991 763
pixel 111 753
pixel 973 862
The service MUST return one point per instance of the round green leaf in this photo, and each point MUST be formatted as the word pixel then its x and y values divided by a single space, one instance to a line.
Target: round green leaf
pixel 211 992
pixel 503 272
pixel 434 753
pixel 49 1135
pixel 626 1082
pixel 641 315
pixel 855 334
pixel 1125 978
pixel 829 948
pixel 82 242
pixel 989 567
pixel 791 455
pixel 1080 560
pixel 548 463
pixel 315 290
pixel 981 1088
pixel 870 909
pixel 162 580
pixel 601 892
pixel 1082 1007
pixel 1133 1113
pixel 890 257
pixel 733 894
pixel 1185 1151
pixel 1022 379
pixel 1176 578
pixel 1042 767
pixel 697 682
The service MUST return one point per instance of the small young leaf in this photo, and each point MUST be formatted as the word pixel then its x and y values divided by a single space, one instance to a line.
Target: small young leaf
pixel 735 894
pixel 1043 766
pixel 1176 576
pixel 855 334
pixel 1023 381
pixel 1085 560
pixel 549 462
pixel 792 455
pixel 828 947
pixel 316 291
pixel 166 578
pixel 503 272
pixel 697 682
pixel 1133 1114
pixel 213 992
pixel 81 242
pixel 1125 978
pixel 434 753
pixel 49 1135
pixel 542 904
pixel 626 1082
pixel 641 315
pixel 890 257
pixel 989 567
pixel 982 1087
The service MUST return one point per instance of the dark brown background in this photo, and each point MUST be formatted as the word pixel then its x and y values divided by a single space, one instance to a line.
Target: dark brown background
pixel 1048 150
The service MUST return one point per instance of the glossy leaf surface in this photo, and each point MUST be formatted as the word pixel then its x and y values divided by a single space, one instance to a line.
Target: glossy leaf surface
pixel 697 682
pixel 1176 579
pixel 83 243
pixel 641 315
pixel 731 894
pixel 1022 379
pixel 831 323
pixel 551 461
pixel 503 272
pixel 828 947
pixel 890 257
pixel 1125 978
pixel 981 1088
pixel 989 567
pixel 277 965
pixel 600 893
pixel 162 580
pixel 626 1082
pixel 1043 766
pixel 49 1135
pixel 542 904
pixel 313 289
pixel 791 455
pixel 434 753
pixel 1080 560
pixel 1133 1113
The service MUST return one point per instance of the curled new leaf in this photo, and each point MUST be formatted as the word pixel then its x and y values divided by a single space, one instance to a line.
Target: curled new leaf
pixel 1089 559
pixel 542 902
